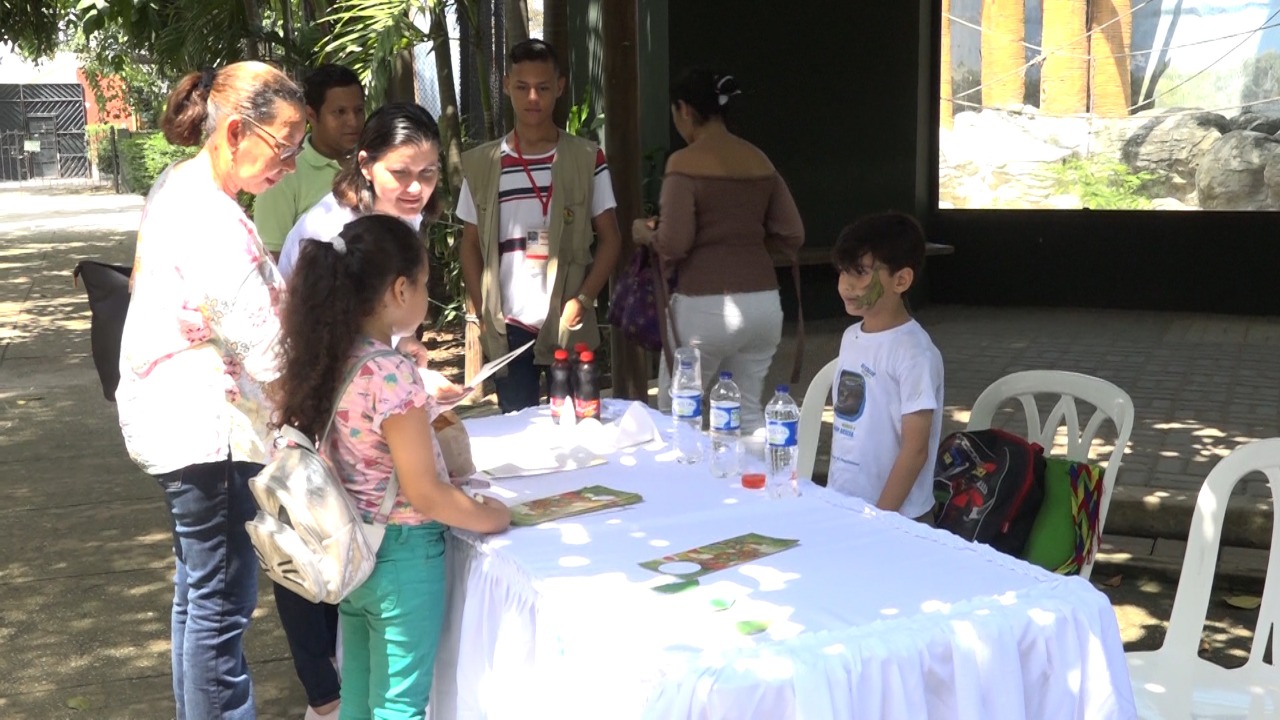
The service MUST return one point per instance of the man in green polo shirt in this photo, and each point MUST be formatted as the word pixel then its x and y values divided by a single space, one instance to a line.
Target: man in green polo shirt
pixel 335 111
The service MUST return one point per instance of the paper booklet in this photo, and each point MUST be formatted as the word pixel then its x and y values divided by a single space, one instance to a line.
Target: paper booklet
pixel 484 373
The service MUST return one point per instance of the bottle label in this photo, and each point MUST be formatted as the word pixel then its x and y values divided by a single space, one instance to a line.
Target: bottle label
pixel 782 433
pixel 726 416
pixel 587 408
pixel 686 407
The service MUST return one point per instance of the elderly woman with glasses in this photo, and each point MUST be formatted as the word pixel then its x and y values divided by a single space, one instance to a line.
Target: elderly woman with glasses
pixel 199 345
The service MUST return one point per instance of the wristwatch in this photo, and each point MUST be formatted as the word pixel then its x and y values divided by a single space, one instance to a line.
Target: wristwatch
pixel 585 300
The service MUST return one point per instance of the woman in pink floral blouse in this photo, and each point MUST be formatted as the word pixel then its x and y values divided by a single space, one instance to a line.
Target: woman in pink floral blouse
pixel 199 343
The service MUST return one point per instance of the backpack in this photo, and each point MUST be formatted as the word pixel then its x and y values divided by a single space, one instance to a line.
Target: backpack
pixel 307 533
pixel 989 485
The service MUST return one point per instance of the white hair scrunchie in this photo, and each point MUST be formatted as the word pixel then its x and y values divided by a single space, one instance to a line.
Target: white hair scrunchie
pixel 338 244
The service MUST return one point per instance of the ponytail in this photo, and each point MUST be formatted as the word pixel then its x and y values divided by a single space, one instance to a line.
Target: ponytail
pixel 336 285
pixel 188 109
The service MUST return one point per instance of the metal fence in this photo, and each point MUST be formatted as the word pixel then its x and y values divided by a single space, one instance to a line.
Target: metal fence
pixel 42 133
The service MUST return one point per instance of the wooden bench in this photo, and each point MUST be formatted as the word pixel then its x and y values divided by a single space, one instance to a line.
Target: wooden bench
pixel 822 255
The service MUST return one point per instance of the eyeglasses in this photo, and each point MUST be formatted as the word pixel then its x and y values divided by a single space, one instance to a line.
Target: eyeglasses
pixel 284 151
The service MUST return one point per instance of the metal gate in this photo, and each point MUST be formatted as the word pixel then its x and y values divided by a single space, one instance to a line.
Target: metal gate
pixel 42 132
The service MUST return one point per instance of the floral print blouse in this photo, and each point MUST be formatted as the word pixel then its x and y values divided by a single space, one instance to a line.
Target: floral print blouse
pixel 201 337
pixel 382 387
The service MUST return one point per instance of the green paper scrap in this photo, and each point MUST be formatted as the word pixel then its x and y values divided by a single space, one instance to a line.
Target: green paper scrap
pixel 568 504
pixel 721 555
pixel 752 627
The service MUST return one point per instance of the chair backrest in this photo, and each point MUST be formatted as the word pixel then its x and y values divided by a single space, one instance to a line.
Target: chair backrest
pixel 816 397
pixel 1191 602
pixel 1109 400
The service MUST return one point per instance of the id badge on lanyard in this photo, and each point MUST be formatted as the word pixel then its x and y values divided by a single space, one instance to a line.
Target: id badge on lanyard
pixel 537 249
pixel 537 241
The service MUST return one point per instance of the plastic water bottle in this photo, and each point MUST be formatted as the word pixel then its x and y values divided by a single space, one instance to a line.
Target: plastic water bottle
pixel 726 426
pixel 782 423
pixel 686 410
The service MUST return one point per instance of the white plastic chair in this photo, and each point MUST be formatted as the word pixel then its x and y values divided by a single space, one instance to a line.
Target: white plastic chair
pixel 1174 682
pixel 815 401
pixel 1109 400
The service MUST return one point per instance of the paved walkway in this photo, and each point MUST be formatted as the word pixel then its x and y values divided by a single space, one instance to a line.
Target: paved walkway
pixel 85 563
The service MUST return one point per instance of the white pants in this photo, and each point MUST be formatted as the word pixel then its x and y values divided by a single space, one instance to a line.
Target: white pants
pixel 738 333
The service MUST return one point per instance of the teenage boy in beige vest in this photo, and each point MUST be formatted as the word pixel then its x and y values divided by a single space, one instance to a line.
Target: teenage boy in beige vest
pixel 529 204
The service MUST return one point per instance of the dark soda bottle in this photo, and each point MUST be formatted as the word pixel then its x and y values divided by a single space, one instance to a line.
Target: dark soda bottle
pixel 560 384
pixel 586 396
pixel 574 359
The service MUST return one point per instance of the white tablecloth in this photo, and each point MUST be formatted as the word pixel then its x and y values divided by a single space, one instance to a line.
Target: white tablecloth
pixel 870 616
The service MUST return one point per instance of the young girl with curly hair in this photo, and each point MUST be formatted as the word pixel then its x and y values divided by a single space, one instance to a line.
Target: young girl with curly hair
pixel 350 294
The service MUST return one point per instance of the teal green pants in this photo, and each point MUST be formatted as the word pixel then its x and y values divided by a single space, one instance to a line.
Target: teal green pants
pixel 391 627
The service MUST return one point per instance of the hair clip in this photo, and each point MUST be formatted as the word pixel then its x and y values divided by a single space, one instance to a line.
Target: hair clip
pixel 721 96
pixel 206 79
pixel 339 245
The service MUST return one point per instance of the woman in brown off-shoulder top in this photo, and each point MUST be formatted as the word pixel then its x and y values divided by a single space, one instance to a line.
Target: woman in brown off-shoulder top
pixel 723 206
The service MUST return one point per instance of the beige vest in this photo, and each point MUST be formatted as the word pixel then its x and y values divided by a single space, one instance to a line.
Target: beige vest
pixel 572 180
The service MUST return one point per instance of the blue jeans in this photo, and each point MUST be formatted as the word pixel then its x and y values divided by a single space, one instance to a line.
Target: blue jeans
pixel 312 632
pixel 391 627
pixel 521 387
pixel 216 588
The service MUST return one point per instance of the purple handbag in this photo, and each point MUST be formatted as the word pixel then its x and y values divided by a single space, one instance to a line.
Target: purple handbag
pixel 640 300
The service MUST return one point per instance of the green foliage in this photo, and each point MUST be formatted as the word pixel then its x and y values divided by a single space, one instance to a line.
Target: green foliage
pixel 1104 183
pixel 583 120
pixel 367 36
pixel 143 156
pixel 447 293
pixel 98 138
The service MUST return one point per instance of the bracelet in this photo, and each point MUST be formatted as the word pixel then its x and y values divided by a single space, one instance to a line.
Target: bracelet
pixel 472 319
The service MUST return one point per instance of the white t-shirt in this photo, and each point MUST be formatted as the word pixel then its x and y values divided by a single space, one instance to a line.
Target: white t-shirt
pixel 526 298
pixel 324 220
pixel 879 378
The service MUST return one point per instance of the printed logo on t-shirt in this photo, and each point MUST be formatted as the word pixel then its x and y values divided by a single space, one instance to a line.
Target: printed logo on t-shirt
pixel 851 401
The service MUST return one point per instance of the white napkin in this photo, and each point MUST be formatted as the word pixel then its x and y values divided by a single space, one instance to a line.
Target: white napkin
pixel 635 427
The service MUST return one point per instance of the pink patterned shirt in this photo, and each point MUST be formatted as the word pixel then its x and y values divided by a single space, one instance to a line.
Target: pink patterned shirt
pixel 383 387
pixel 200 339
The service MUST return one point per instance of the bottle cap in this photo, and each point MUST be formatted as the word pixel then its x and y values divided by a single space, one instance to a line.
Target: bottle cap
pixel 726 375
pixel 586 356
pixel 753 481
pixel 784 389
pixel 562 354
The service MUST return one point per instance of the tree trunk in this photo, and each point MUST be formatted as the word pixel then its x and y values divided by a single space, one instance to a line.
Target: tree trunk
pixel 1003 54
pixel 450 125
pixel 946 117
pixel 1064 79
pixel 295 63
pixel 555 23
pixel 1111 23
pixel 451 141
pixel 630 365
pixel 253 24
pixel 516 23
pixel 482 57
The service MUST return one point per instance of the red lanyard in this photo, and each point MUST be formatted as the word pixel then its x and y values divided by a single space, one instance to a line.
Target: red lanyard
pixel 545 203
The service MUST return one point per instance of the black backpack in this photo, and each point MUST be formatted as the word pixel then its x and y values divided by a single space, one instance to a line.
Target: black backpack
pixel 108 289
pixel 989 485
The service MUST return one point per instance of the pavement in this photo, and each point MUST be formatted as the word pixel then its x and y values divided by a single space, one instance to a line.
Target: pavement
pixel 85 550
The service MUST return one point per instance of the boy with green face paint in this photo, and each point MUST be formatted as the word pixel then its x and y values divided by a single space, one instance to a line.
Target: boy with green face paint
pixel 887 390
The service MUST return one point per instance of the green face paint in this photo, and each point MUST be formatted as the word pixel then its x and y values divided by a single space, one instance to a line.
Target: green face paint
pixel 874 291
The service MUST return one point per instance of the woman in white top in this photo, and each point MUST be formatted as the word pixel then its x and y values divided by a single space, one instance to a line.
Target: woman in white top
pixel 199 344
pixel 395 170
